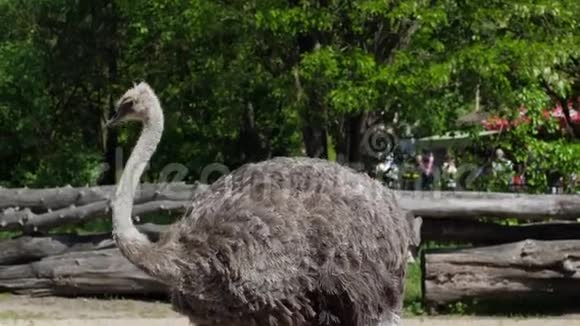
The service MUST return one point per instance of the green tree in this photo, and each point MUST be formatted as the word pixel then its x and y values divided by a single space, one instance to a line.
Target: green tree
pixel 244 81
pixel 53 76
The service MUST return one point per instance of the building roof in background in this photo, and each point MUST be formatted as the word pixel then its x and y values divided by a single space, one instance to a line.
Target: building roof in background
pixel 474 117
pixel 452 138
pixel 495 122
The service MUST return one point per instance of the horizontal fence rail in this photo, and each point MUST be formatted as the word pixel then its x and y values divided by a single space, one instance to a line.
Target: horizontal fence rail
pixel 41 209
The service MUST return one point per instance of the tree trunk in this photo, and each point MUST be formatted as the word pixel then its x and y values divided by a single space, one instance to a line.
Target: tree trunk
pixel 314 122
pixel 350 137
pixel 111 134
pixel 563 102
pixel 253 148
pixel 339 133
pixel 356 124
pixel 527 269
pixel 111 144
pixel 315 140
pixel 313 113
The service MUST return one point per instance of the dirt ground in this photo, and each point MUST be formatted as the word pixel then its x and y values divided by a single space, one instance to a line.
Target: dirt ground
pixel 25 307
pixel 57 311
pixel 51 311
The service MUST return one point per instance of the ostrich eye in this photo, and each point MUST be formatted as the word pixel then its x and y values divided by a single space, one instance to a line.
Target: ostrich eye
pixel 126 104
pixel 125 107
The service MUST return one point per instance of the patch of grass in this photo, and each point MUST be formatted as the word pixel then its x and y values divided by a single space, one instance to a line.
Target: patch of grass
pixel 11 314
pixel 8 314
pixel 4 235
pixel 413 293
pixel 524 307
pixel 5 295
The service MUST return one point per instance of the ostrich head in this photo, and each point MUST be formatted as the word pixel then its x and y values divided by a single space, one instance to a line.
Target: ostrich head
pixel 136 104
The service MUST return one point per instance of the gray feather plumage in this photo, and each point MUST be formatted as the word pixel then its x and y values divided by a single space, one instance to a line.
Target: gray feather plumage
pixel 290 241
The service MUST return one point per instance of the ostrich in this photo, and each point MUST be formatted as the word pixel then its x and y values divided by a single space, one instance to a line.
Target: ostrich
pixel 287 241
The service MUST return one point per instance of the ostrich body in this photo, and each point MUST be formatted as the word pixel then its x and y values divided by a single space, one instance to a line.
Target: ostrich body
pixel 288 241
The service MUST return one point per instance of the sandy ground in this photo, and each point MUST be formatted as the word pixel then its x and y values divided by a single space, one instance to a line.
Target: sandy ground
pixel 25 307
pixel 50 311
pixel 183 322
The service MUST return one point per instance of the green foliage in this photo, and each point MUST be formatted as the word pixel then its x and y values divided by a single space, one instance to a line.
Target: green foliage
pixel 537 146
pixel 413 292
pixel 242 81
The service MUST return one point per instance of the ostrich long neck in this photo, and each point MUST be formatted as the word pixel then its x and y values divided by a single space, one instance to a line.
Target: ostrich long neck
pixel 133 244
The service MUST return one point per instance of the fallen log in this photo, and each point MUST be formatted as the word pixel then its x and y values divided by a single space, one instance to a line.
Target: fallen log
pixel 58 198
pixel 526 269
pixel 29 222
pixel 449 204
pixel 475 232
pixel 101 272
pixel 25 249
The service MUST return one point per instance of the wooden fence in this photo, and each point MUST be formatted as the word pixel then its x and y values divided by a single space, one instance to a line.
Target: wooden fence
pixel 538 257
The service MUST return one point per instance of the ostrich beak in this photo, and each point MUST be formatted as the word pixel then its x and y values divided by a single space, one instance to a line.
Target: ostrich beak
pixel 114 121
pixel 123 113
